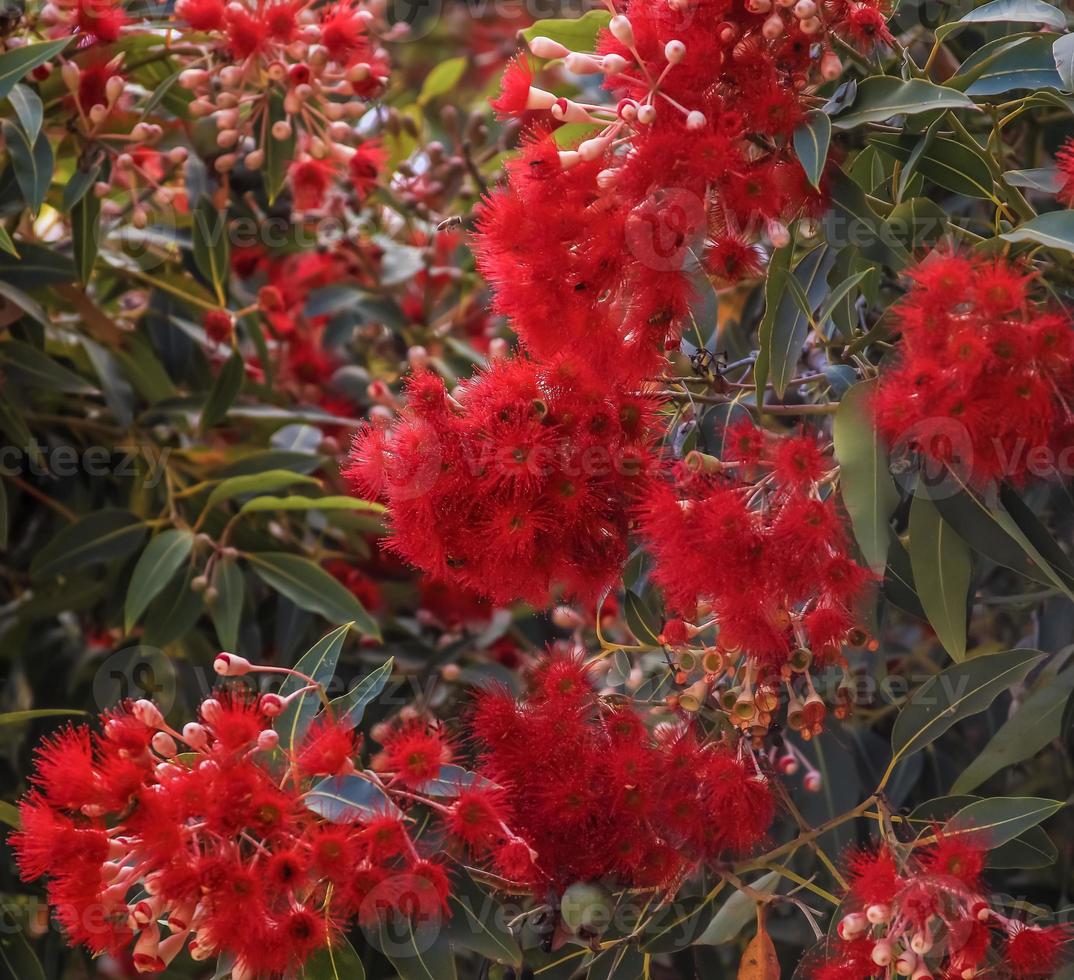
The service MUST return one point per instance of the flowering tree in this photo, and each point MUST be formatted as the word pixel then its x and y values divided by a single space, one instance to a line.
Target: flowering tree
pixel 623 457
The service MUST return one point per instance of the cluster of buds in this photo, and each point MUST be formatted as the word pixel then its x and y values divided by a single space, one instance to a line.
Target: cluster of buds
pixel 752 695
pixel 926 915
pixel 278 77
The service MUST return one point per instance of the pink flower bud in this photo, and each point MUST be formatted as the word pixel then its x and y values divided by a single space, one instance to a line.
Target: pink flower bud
pixel 268 740
pixel 231 665
pixel 545 47
pixel 147 713
pixel 622 30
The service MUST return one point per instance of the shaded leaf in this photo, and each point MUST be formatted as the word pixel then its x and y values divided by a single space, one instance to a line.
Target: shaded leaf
pixel 352 705
pixel 157 565
pixel 881 97
pixel 991 822
pixel 348 799
pixel 811 141
pixel 318 663
pixel 102 535
pixel 18 62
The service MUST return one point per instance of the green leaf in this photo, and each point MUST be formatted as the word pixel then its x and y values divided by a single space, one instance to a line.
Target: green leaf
pixel 1044 179
pixel 6 243
pixel 26 362
pixel 337 961
pixel 1053 230
pixel 811 141
pixel 36 266
pixel 790 327
pixel 736 913
pixel 852 220
pixel 452 779
pixel 881 97
pixel 865 481
pixel 225 388
pixel 18 62
pixel 478 923
pixel 311 503
pixel 32 163
pixel 947 162
pixel 78 184
pixel 1063 54
pixel 348 799
pixel 779 268
pixel 102 535
pixel 15 952
pixel 211 246
pixel 415 953
pixel 1007 12
pixel 1035 724
pixel 1021 63
pixel 994 821
pixel 173 613
pixel 86 234
pixel 578 33
pixel 21 717
pixel 278 153
pixel 157 565
pixel 957 693
pixel 28 108
pixel 942 567
pixel 27 304
pixel 1033 849
pixel 226 609
pixel 264 482
pixel 318 663
pixel 352 705
pixel 9 814
pixel 442 79
pixel 918 221
pixel 311 588
pixel 642 621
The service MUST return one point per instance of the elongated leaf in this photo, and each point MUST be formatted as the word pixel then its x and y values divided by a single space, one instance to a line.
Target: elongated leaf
pixel 311 588
pixel 352 705
pixel 478 923
pixel 884 96
pixel 1033 849
pixel 992 822
pixel 36 266
pixel 86 234
pixel 452 780
pixel 1053 230
pixel 226 608
pixel 224 390
pixel 642 621
pixel 947 162
pixel 1017 64
pixel 1063 53
pixel 26 303
pixel 24 361
pixel 1044 179
pixel 102 535
pixel 418 951
pixel 942 567
pixel 173 613
pixel 28 107
pixel 16 953
pixel 811 141
pixel 32 714
pixel 9 814
pixel 865 481
pixel 577 33
pixel 18 62
pixel 7 244
pixel 1007 12
pixel 957 693
pixel 852 220
pixel 267 481
pixel 319 664
pixel 32 163
pixel 790 328
pixel 155 569
pixel 78 184
pixel 337 961
pixel 298 502
pixel 736 913
pixel 278 153
pixel 211 246
pixel 348 799
pixel 779 268
pixel 442 79
pixel 1034 725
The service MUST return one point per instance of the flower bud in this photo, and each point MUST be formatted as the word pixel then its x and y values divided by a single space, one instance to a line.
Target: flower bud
pixel 545 47
pixel 147 713
pixel 882 952
pixel 812 781
pixel 231 665
pixel 211 710
pixel 878 914
pixel 674 51
pixel 647 115
pixel 613 64
pixel 195 735
pixel 852 925
pixel 696 120
pixel 164 744
pixel 268 740
pixel 622 30
pixel 583 64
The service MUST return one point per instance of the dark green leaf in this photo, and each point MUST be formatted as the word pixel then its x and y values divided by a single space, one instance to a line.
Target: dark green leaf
pixel 642 621
pixel 19 62
pixel 318 663
pixel 942 568
pixel 36 266
pixel 348 799
pixel 310 587
pixel 86 234
pixel 278 153
pixel 15 952
pixel 35 367
pixel 865 482
pixel 352 705
pixel 1033 849
pixel 211 246
pixel 948 162
pixel 157 565
pixel 224 390
pixel 28 108
pixel 881 97
pixel 478 922
pixel 1007 12
pixel 991 822
pixel 32 163
pixel 79 183
pixel 811 141
pixel 957 693
pixel 337 961
pixel 736 913
pixel 1053 230
pixel 102 535
pixel 226 608
pixel 173 613
pixel 418 950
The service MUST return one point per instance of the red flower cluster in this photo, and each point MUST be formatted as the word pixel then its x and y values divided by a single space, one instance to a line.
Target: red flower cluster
pixel 596 796
pixel 525 484
pixel 929 917
pixel 760 544
pixel 985 378
pixel 594 247
pixel 198 838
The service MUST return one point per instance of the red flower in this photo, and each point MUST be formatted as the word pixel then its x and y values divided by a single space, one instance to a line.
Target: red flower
pixel 414 753
pixel 1033 951
pixel 310 180
pixel 1064 164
